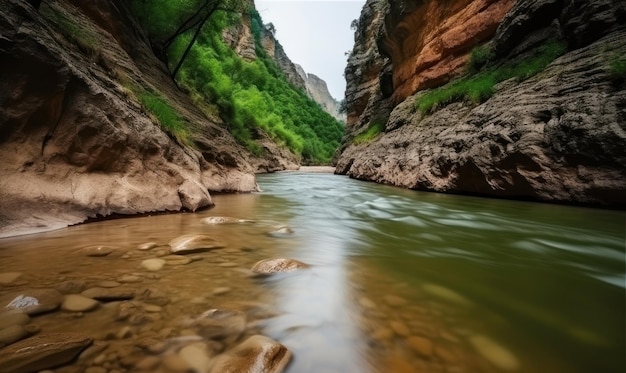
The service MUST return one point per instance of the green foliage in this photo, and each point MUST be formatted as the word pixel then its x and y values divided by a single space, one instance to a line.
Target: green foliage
pixel 252 96
pixel 370 134
pixel 76 32
pixel 166 115
pixel 479 57
pixel 479 87
pixel 617 68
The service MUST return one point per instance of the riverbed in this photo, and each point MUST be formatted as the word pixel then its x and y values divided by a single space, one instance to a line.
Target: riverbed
pixel 399 281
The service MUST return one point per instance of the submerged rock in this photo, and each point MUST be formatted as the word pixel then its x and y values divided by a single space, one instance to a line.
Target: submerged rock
pixel 257 354
pixel 282 231
pixel 219 324
pixel 78 303
pixel 42 352
pixel 154 264
pixel 497 354
pixel 193 243
pixel 268 266
pixel 8 277
pixel 108 294
pixel 11 318
pixel 12 334
pixel 97 250
pixel 33 302
pixel 225 220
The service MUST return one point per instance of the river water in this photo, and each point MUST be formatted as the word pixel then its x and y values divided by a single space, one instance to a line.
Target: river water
pixel 400 281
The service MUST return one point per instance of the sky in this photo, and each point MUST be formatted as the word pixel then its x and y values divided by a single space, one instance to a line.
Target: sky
pixel 315 34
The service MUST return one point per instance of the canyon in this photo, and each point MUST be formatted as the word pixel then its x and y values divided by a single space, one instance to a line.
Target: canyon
pixel 557 136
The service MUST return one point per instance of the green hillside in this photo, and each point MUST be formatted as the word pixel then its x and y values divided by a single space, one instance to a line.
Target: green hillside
pixel 247 95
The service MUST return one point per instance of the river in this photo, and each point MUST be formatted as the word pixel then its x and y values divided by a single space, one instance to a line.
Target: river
pixel 400 281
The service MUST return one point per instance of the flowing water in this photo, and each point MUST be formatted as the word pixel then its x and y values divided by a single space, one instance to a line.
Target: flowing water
pixel 400 281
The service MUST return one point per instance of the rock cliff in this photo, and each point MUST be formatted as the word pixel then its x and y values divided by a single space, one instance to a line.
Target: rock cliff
pixel 76 143
pixel 317 89
pixel 557 136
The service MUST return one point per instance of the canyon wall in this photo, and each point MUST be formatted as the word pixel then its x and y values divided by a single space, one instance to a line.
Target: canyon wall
pixel 317 89
pixel 557 136
pixel 75 142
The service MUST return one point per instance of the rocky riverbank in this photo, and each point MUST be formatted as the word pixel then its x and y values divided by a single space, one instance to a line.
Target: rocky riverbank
pixel 556 136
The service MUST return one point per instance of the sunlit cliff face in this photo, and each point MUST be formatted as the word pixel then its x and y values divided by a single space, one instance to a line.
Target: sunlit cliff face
pixel 429 42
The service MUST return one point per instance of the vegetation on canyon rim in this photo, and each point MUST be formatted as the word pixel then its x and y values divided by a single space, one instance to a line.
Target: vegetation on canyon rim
pixel 370 134
pixel 478 85
pixel 248 95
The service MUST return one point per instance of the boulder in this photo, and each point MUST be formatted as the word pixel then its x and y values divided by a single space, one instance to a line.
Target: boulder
pixel 257 354
pixel 42 352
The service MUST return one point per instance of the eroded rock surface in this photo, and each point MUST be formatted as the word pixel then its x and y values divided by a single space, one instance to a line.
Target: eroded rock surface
pixel 269 266
pixel 76 143
pixel 257 354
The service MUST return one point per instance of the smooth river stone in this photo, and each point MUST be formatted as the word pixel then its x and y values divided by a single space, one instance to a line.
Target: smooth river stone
pixel 422 346
pixel 32 302
pixel 12 334
pixel 8 277
pixel 108 294
pixel 147 246
pixel 257 354
pixel 42 352
pixel 225 220
pixel 97 250
pixel 11 318
pixel 174 260
pixel 193 243
pixel 196 355
pixel 154 264
pixel 497 354
pixel 269 266
pixel 71 287
pixel 78 303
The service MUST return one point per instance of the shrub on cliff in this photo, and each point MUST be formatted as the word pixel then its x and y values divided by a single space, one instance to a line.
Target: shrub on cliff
pixel 478 86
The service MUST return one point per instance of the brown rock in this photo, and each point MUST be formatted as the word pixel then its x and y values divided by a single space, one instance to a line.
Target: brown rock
pixel 78 303
pixel 269 266
pixel 257 354
pixel 108 294
pixel 219 324
pixel 71 287
pixel 98 250
pixel 42 352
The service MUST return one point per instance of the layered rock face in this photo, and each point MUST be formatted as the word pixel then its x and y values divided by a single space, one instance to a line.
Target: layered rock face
pixel 317 89
pixel 74 141
pixel 558 136
pixel 429 41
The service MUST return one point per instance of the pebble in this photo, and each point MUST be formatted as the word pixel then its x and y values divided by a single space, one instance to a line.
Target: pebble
pixel 400 328
pixel 269 266
pixel 225 220
pixel 71 287
pixel 78 303
pixel 175 363
pixel 196 355
pixel 193 243
pixel 221 291
pixel 129 279
pixel 8 277
pixel 422 346
pixel 367 303
pixel 173 260
pixel 154 264
pixel 147 246
pixel 108 284
pixel 395 301
pixel 12 334
pixel 108 294
pixel 97 250
pixel 148 363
